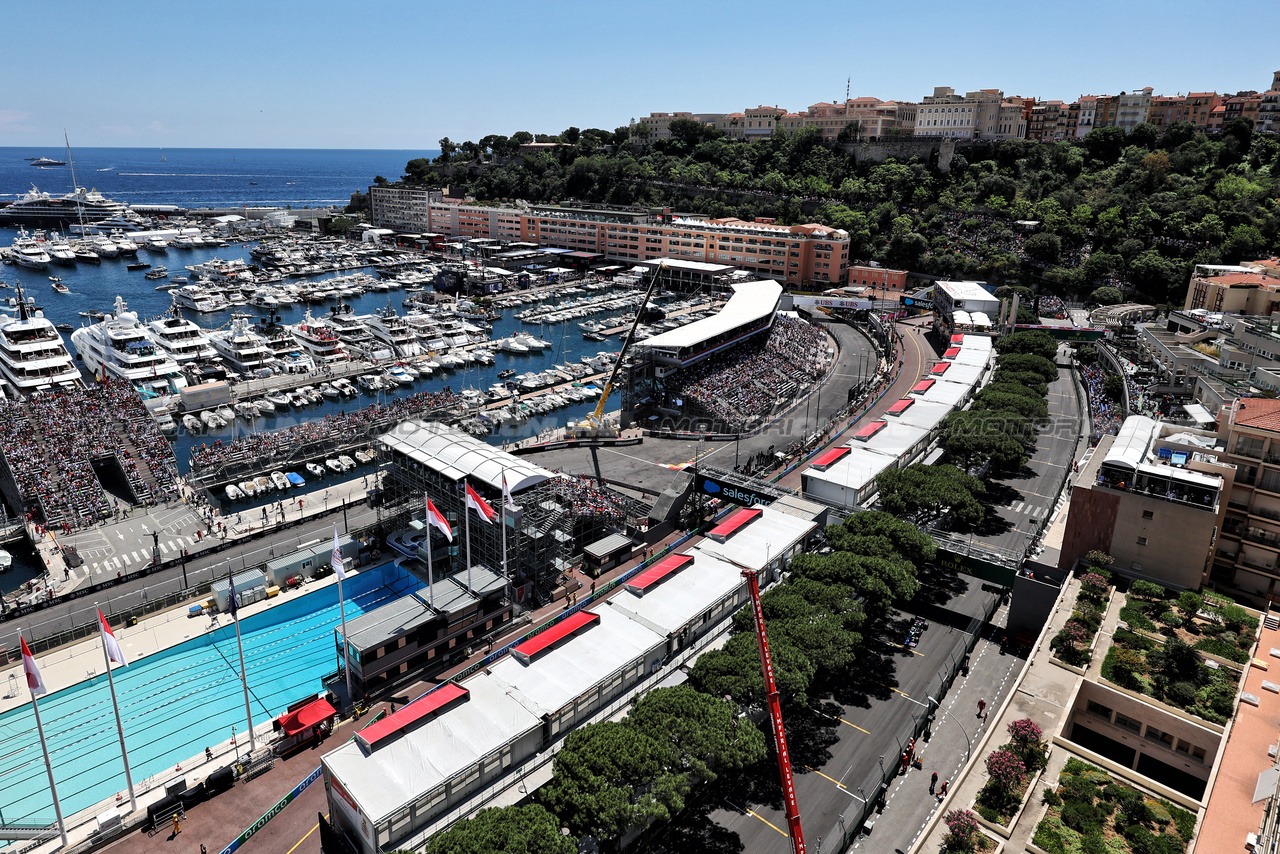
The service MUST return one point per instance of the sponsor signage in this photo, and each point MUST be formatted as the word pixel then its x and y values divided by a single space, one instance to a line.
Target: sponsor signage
pixel 977 567
pixel 731 492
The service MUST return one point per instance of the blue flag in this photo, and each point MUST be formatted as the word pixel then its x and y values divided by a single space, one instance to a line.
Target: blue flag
pixel 231 596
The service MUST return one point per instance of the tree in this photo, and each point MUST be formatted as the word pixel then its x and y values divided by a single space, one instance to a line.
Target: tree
pixel 1190 603
pixel 520 830
pixel 881 580
pixel 1043 247
pixel 974 437
pixel 879 533
pixel 1106 296
pixel 705 733
pixel 1104 145
pixel 1127 666
pixel 1113 387
pixel 447 149
pixel 734 670
pixel 610 778
pixel 994 400
pixel 1047 370
pixel 925 494
pixel 571 135
pixel 1035 343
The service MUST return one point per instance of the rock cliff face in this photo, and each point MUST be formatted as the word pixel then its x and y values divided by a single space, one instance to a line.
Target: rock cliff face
pixel 904 148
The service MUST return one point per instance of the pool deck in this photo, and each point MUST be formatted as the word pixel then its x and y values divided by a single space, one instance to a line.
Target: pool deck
pixel 217 822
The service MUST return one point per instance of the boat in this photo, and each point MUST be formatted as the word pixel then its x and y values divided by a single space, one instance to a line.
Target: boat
pixel 246 410
pixel 320 339
pixel 363 457
pixel 295 479
pixel 118 347
pixel 233 492
pixel 397 374
pixel 329 391
pixel 86 255
pixel 64 327
pixel 244 350
pixel 137 265
pixel 58 287
pixel 42 210
pixel 184 341
pixel 509 372
pixel 511 345
pixel 29 252
pixel 264 484
pixel 156 244
pixel 390 328
pixel 32 352
pixel 60 251
pixel 226 413
pixel 344 385
pixel 249 488
pixel 279 481
pixel 594 336
pixel 277 399
pixel 334 466
pixel 369 382
pixel 157 273
pixel 198 298
pixel 104 246
pixel 211 420
pixel 265 406
pixel 45 161
pixel 347 462
pixel 193 424
pixel 315 470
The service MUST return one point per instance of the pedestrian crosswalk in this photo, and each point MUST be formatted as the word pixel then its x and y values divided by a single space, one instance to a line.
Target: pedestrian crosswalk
pixel 123 560
pixel 1022 507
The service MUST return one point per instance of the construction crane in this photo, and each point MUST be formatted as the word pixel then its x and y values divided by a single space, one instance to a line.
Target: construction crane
pixel 775 715
pixel 594 424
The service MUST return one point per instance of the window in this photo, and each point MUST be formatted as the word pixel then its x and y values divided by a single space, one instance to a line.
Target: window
pixel 1159 737
pixel 1098 709
pixel 1142 541
pixel 1147 514
pixel 1128 722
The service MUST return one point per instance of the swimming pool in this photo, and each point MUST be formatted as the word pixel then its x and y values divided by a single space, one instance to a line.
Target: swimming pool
pixel 178 701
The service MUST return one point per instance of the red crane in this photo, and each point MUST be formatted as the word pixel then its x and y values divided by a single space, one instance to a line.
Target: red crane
pixel 775 715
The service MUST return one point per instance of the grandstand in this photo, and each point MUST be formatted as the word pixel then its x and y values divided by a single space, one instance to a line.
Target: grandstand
pixel 727 372
pixel 845 477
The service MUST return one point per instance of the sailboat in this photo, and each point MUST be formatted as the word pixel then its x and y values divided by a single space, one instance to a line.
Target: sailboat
pixel 163 159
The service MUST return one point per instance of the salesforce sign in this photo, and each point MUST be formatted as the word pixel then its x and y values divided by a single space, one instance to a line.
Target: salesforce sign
pixel 732 492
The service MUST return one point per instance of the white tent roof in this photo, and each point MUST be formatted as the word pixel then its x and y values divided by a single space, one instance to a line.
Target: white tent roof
pixel 971 356
pixel 759 541
pixel 457 455
pixel 924 414
pixel 1131 444
pixel 945 393
pixel 751 301
pixel 687 593
pixel 963 374
pixel 895 439
pixel 855 470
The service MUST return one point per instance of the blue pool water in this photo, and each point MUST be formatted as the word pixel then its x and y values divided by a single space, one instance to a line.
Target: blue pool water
pixel 178 701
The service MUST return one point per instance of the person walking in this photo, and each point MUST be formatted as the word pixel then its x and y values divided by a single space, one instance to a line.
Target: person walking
pixel 177 828
pixel 942 793
pixel 982 705
pixel 933 782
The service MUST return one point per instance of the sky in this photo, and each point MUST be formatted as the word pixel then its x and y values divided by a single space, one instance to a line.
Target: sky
pixel 402 75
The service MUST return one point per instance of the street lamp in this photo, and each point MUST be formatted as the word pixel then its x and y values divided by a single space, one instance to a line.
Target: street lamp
pixel 968 741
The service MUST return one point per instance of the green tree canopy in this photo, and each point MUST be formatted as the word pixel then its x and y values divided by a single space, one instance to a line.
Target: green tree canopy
pixel 504 830
pixel 1106 296
pixel 1036 343
pixel 1047 370
pixel 995 400
pixel 704 732
pixel 972 437
pixel 924 494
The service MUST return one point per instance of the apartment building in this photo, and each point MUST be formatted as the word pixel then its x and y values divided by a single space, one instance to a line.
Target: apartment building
pixel 786 253
pixel 1167 109
pixel 1048 121
pixel 1085 120
pixel 1105 111
pixel 400 206
pixel 1154 498
pixel 658 125
pixel 1267 117
pixel 1132 108
pixel 1245 559
pixel 755 123
pixel 984 114
pixel 872 117
pixel 1252 288
pixel 1199 105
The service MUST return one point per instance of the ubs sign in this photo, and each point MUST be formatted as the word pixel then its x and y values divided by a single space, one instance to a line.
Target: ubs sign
pixel 734 493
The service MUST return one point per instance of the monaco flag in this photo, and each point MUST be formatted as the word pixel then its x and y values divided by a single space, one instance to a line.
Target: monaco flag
pixel 478 504
pixel 114 652
pixel 506 493
pixel 34 682
pixel 336 558
pixel 436 519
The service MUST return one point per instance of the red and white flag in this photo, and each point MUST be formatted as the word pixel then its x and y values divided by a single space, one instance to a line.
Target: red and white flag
pixel 336 558
pixel 114 652
pixel 436 520
pixel 34 682
pixel 478 504
pixel 506 493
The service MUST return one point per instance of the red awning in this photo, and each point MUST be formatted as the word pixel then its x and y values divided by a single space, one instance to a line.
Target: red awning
pixel 957 339
pixel 922 386
pixel 940 368
pixel 951 353
pixel 669 565
pixel 552 636
pixel 734 522
pixel 829 457
pixel 309 715
pixel 411 714
pixel 870 430
pixel 901 406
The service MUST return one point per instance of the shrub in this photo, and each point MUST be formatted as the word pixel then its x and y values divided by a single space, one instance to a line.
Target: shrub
pixel 1093 585
pixel 989 813
pixel 1222 649
pixel 1047 837
pixel 963 829
pixel 1146 590
pixel 1172 622
pixel 1099 558
pixel 1007 771
pixel 1025 732
pixel 1135 618
pixel 1084 818
pixel 1132 640
pixel 1051 797
pixel 1237 618
pixel 1125 667
pixel 1186 821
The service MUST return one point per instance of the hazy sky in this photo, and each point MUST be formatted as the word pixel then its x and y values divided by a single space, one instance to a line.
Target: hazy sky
pixel 321 74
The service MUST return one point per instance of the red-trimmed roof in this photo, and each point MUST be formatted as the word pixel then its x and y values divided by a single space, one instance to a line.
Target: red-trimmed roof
pixel 901 406
pixel 552 636
pixel 940 368
pixel 309 715
pixel 922 386
pixel 870 430
pixel 951 353
pixel 733 523
pixel 958 338
pixel 411 714
pixel 829 457
pixel 653 575
pixel 1258 412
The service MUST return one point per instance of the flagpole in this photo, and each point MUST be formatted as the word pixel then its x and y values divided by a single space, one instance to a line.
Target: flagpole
pixel 48 766
pixel 466 511
pixel 244 680
pixel 346 647
pixel 431 579
pixel 115 705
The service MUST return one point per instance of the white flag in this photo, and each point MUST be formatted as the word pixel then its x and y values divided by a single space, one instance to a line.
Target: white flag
pixel 506 493
pixel 336 559
pixel 114 652
pixel 34 682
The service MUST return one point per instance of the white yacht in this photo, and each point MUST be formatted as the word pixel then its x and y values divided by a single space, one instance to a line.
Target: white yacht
pixel 29 252
pixel 222 272
pixel 183 340
pixel 32 353
pixel 43 210
pixel 118 347
pixel 104 246
pixel 320 339
pixel 157 244
pixel 60 251
pixel 389 328
pixel 353 332
pixel 243 349
pixel 123 243
pixel 285 347
pixel 197 298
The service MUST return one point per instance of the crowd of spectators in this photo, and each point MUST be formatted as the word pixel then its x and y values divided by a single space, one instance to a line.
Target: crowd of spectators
pixel 735 386
pixel 259 449
pixel 1107 414
pixel 584 498
pixel 1050 306
pixel 50 442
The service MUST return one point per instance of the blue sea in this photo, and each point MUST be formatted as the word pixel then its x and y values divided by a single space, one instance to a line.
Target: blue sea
pixel 206 177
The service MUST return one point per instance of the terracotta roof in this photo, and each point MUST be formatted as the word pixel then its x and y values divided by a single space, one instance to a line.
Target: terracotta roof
pixel 1259 413
pixel 1241 279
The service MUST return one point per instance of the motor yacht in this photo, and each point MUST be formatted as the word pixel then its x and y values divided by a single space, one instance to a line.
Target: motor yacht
pixel 242 348
pixel 104 246
pixel 389 328
pixel 198 298
pixel 32 352
pixel 157 244
pixel 315 470
pixel 320 339
pixel 60 251
pixel 29 252
pixel 118 347
pixel 184 341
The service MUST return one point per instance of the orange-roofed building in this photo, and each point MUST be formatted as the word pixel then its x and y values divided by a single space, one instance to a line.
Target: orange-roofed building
pixel 1249 288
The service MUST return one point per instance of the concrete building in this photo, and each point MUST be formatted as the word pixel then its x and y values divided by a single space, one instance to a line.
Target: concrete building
pixel 1088 109
pixel 964 307
pixel 1048 121
pixel 877 278
pixel 658 125
pixel 1252 288
pixel 1245 560
pixel 871 117
pixel 984 114
pixel 1132 109
pixel 401 206
pixel 1154 498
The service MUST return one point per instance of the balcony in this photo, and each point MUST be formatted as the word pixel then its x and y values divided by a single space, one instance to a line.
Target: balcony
pixel 1264 513
pixel 1164 490
pixel 1262 538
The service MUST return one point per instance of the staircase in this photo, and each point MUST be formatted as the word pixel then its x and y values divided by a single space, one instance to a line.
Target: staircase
pixel 1271 620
